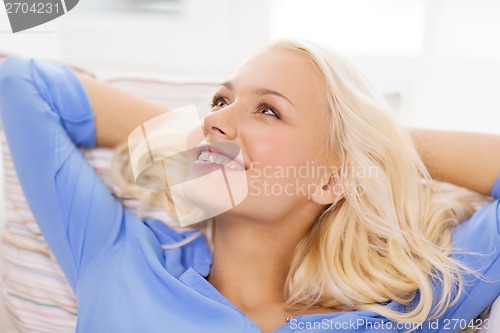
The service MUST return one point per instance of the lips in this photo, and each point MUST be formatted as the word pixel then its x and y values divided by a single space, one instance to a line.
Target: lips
pixel 227 149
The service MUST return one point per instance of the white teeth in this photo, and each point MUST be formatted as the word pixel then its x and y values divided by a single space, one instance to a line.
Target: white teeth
pixel 217 158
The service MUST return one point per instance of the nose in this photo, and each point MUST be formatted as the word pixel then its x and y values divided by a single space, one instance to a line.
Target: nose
pixel 222 123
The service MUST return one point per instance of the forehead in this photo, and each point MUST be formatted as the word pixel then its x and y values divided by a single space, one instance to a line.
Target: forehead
pixel 289 72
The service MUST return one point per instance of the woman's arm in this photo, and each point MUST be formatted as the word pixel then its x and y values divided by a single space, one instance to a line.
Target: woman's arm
pixel 466 159
pixel 116 112
pixel 46 117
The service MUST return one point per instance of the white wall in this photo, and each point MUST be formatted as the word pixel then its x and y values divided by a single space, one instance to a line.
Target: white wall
pixel 458 84
pixel 205 38
pixel 201 39
pixel 382 37
pixel 440 56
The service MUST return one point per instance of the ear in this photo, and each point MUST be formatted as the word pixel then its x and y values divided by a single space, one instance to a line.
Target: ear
pixel 330 191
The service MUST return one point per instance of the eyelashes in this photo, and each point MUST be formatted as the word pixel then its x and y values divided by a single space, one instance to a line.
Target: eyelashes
pixel 264 106
pixel 219 102
pixel 216 100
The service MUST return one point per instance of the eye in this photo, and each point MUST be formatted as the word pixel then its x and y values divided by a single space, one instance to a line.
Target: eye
pixel 218 102
pixel 267 109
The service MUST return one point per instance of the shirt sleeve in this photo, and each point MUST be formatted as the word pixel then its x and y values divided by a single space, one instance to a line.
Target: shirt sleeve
pixel 477 242
pixel 46 114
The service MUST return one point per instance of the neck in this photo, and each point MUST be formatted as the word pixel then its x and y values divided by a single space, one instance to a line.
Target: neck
pixel 251 259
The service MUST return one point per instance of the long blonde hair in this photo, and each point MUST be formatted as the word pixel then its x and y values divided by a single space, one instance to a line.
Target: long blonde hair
pixel 383 243
pixel 389 237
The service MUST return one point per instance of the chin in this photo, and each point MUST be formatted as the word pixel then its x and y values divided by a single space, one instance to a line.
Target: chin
pixel 208 194
pixel 211 193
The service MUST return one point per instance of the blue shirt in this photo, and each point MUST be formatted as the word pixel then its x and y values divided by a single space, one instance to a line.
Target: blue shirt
pixel 123 279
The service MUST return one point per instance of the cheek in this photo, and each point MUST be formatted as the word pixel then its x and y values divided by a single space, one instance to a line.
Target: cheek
pixel 284 159
pixel 273 149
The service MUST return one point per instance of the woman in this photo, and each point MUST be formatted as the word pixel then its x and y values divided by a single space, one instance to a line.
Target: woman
pixel 370 245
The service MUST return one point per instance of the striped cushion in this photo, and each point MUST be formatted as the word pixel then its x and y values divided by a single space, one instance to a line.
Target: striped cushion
pixel 34 289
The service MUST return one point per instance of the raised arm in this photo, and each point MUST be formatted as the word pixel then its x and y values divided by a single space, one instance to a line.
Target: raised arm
pixel 47 116
pixel 466 159
pixel 117 112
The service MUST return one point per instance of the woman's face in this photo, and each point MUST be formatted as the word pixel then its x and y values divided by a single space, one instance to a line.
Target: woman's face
pixel 274 109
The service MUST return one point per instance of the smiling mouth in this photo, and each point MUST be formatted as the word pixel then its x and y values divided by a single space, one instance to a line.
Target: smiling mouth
pixel 223 154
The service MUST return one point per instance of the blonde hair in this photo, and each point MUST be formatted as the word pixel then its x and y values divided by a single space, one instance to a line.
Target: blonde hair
pixel 386 242
pixel 392 235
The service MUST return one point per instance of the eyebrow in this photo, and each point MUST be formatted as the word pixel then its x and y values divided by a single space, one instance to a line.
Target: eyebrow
pixel 260 91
